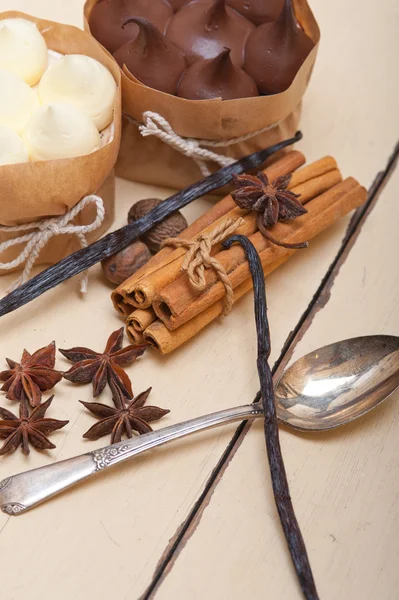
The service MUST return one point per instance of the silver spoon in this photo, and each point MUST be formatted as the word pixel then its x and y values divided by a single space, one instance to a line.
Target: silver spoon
pixel 323 390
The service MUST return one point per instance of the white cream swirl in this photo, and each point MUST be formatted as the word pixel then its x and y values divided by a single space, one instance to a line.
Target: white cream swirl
pixel 17 101
pixel 84 82
pixel 23 50
pixel 60 130
pixel 12 148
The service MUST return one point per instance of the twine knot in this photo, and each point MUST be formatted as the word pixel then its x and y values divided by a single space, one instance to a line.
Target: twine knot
pixel 41 232
pixel 191 147
pixel 198 258
pixel 51 228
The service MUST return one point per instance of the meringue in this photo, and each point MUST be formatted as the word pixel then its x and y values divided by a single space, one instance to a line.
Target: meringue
pixel 257 11
pixel 17 101
pixel 60 130
pixel 107 17
pixel 23 50
pixel 202 29
pixel 216 78
pixel 84 82
pixel 276 51
pixel 12 148
pixel 151 58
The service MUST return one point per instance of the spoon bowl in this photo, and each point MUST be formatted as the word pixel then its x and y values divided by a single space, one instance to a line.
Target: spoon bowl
pixel 338 383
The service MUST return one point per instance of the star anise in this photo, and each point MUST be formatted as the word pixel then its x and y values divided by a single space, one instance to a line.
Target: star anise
pixel 128 415
pixel 100 368
pixel 28 429
pixel 272 200
pixel 32 376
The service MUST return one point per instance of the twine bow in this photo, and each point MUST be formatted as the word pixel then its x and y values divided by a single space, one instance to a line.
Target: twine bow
pixel 156 125
pixel 42 233
pixel 198 258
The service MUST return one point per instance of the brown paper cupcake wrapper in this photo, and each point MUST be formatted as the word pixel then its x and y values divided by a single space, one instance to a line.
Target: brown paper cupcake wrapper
pixel 150 160
pixel 60 246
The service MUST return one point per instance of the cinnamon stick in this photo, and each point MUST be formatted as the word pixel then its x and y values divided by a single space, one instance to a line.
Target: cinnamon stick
pixel 179 302
pixel 158 336
pixel 314 169
pixel 350 196
pixel 136 337
pixel 140 289
pixel 313 187
pixel 121 306
pixel 140 319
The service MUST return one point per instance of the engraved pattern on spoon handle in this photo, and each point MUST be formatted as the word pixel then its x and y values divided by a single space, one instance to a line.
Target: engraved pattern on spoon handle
pixel 24 491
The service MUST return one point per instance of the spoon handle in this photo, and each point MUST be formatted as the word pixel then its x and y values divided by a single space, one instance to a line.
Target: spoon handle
pixel 24 491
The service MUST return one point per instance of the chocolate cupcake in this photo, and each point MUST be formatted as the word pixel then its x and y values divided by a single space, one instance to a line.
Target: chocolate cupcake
pixel 152 59
pixel 258 11
pixel 107 17
pixel 202 29
pixel 216 78
pixel 275 52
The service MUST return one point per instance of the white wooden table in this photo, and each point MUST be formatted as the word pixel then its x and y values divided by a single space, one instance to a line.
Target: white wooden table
pixel 196 519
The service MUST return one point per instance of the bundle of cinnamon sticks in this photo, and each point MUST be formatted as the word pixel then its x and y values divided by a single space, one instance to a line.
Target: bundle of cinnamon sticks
pixel 159 302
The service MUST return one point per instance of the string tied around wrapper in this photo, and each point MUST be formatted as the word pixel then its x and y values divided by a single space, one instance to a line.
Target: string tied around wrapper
pixel 156 125
pixel 41 232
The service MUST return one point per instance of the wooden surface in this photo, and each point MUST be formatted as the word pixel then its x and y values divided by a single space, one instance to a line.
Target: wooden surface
pixel 196 519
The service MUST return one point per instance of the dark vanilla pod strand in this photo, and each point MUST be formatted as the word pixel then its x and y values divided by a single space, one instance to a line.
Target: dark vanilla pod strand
pixel 266 233
pixel 281 490
pixel 117 240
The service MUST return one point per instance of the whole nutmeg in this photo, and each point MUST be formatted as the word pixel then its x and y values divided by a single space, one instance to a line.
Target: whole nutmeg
pixel 169 227
pixel 118 267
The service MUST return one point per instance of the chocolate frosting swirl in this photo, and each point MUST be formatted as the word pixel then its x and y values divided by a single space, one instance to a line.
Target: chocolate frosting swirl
pixel 216 78
pixel 151 58
pixel 107 17
pixel 202 29
pixel 257 11
pixel 275 52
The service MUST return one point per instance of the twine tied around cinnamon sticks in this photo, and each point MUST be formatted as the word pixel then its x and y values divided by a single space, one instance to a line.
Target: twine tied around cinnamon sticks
pixel 156 125
pixel 45 229
pixel 198 258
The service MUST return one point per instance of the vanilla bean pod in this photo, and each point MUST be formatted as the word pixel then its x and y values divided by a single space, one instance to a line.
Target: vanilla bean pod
pixel 281 491
pixel 113 242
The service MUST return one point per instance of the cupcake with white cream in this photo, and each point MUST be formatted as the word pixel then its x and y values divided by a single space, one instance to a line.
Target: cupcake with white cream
pixel 18 101
pixel 12 148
